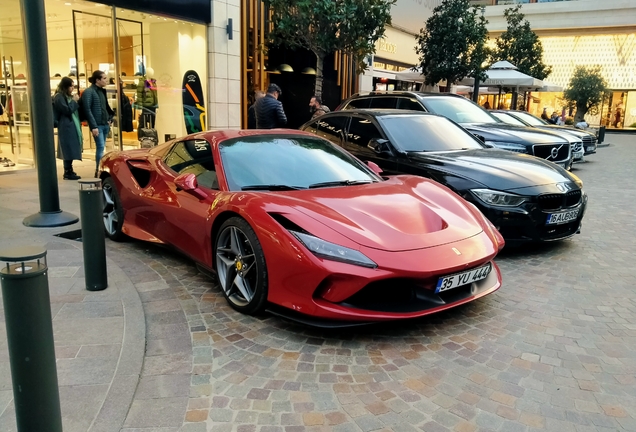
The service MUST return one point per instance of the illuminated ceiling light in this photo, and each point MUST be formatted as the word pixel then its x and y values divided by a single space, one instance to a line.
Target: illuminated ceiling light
pixel 285 68
pixel 309 71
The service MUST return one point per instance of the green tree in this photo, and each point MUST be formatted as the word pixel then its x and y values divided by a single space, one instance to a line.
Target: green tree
pixel 586 91
pixel 327 26
pixel 521 46
pixel 452 45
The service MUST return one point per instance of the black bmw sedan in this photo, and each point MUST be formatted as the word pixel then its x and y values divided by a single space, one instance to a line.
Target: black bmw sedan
pixel 525 197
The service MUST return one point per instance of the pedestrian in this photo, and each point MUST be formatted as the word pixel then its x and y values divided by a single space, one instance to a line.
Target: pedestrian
pixel 269 110
pixel 544 114
pixel 251 112
pixel 316 107
pixel 98 113
pixel 69 129
pixel 486 105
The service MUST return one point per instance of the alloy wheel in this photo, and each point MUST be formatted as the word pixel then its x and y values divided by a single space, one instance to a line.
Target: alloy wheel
pixel 111 217
pixel 236 266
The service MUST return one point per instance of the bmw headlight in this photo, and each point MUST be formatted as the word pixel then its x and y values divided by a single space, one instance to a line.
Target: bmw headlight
pixel 497 198
pixel 333 252
pixel 515 147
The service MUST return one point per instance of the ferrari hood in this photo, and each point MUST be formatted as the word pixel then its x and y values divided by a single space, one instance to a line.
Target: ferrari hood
pixel 494 168
pixel 402 213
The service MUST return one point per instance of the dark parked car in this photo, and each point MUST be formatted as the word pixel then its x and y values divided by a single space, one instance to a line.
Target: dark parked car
pixel 525 197
pixel 589 138
pixel 577 146
pixel 475 119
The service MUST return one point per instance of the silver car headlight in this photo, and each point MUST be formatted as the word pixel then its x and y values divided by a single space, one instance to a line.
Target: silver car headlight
pixel 515 147
pixel 497 198
pixel 333 252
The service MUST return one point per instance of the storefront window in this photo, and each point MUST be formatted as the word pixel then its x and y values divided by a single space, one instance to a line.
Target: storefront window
pixel 145 57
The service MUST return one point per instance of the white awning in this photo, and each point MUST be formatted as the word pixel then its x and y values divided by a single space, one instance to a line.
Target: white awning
pixel 381 73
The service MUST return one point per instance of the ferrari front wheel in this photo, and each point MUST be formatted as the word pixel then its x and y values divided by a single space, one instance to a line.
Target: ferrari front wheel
pixel 113 211
pixel 240 265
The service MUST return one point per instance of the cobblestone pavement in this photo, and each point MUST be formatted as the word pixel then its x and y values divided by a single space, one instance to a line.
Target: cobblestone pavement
pixel 554 349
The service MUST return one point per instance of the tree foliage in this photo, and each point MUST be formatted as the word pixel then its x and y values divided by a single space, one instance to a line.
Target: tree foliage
pixel 452 45
pixel 521 46
pixel 586 91
pixel 327 26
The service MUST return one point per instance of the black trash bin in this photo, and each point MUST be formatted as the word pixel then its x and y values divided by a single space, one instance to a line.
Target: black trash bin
pixel 601 134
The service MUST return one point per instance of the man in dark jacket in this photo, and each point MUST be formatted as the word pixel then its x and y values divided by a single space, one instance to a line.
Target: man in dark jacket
pixel 269 110
pixel 98 113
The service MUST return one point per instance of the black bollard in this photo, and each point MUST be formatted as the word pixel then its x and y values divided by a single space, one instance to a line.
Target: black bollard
pixel 27 313
pixel 93 242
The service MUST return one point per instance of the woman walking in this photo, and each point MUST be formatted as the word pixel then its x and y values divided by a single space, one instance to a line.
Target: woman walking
pixel 69 129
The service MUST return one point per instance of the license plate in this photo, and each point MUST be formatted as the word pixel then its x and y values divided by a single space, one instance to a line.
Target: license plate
pixel 453 281
pixel 562 217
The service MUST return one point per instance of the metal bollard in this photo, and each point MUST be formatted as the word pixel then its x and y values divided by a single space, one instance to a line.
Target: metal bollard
pixel 27 313
pixel 93 242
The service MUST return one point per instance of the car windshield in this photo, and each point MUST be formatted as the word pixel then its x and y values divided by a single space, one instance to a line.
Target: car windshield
pixel 507 118
pixel 427 133
pixel 530 119
pixel 274 162
pixel 458 109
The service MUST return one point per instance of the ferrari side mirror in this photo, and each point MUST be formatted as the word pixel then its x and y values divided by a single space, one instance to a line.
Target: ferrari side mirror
pixel 188 183
pixel 374 167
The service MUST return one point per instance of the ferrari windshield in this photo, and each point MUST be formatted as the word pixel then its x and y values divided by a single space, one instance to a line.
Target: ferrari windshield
pixel 277 162
pixel 458 109
pixel 427 133
pixel 530 119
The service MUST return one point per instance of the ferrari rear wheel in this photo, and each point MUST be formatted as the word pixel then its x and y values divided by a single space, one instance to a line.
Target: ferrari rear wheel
pixel 113 211
pixel 240 265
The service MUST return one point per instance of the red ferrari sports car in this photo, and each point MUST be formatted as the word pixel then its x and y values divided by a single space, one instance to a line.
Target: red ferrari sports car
pixel 291 223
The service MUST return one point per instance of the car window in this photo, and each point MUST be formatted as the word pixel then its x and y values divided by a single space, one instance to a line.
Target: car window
pixel 427 133
pixel 458 109
pixel 384 102
pixel 193 156
pixel 507 118
pixel 361 131
pixel 530 119
pixel 288 160
pixel 410 104
pixel 359 103
pixel 332 128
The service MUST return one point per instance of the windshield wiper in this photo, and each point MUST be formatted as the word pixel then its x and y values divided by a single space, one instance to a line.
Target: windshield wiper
pixel 339 183
pixel 271 187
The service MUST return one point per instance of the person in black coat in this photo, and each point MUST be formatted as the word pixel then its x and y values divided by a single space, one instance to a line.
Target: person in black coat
pixel 126 111
pixel 69 129
pixel 269 110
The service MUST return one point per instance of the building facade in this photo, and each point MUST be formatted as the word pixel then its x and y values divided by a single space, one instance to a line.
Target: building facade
pixel 582 33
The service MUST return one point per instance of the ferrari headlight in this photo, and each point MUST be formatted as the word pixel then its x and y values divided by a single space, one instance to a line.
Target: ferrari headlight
pixel 333 252
pixel 497 198
pixel 515 147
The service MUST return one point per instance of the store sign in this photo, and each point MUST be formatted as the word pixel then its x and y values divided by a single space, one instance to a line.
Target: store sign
pixel 190 10
pixel 383 45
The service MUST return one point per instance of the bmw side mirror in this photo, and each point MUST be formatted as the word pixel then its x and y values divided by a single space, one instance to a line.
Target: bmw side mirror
pixel 379 145
pixel 188 183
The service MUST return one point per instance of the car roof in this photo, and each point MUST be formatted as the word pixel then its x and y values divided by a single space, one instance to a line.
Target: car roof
pixel 404 93
pixel 379 112
pixel 225 134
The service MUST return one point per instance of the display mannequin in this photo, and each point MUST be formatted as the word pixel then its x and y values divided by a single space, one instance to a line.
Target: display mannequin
pixel 147 99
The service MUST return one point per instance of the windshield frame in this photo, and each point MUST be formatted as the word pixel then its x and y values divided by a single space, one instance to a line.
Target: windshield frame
pixel 382 120
pixel 234 186
pixel 515 120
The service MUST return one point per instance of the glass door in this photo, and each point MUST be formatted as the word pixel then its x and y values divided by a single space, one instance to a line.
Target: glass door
pixel 132 66
pixel 94 50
